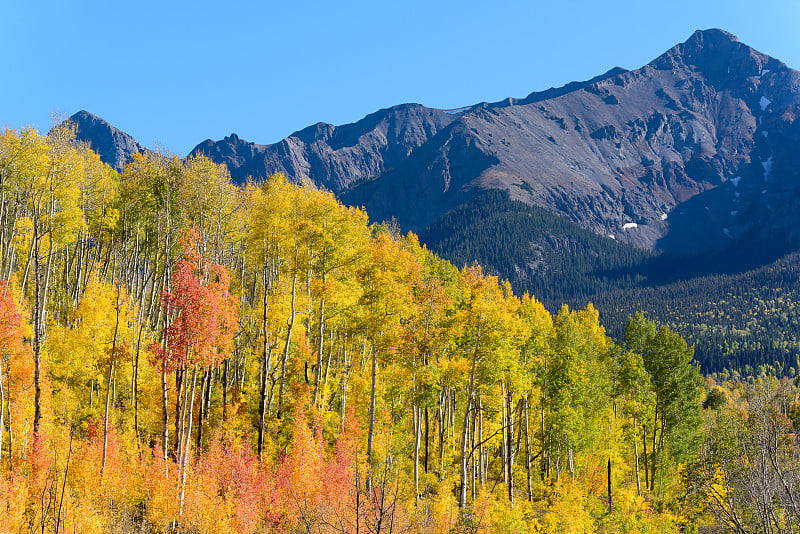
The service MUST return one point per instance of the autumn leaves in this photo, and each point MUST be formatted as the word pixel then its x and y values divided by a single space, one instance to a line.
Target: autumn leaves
pixel 258 358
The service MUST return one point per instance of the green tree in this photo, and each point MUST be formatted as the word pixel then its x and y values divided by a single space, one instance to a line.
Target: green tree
pixel 676 384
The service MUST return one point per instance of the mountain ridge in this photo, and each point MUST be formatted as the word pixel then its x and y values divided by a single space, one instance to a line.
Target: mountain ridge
pixel 331 156
pixel 536 158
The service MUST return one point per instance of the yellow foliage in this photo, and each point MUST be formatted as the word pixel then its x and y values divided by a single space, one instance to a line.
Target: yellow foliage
pixel 323 296
pixel 569 511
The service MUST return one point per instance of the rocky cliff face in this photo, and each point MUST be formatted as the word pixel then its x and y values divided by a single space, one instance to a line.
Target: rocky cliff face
pixel 334 157
pixel 114 146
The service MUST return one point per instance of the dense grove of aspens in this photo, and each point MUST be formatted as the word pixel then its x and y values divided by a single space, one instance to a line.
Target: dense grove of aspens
pixel 178 353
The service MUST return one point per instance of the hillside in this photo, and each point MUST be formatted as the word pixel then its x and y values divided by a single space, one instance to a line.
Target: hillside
pixel 736 312
pixel 537 251
pixel 181 354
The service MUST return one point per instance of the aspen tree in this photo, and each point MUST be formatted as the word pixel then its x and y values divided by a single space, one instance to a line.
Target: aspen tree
pixel 675 383
pixel 49 171
pixel 534 355
pixel 387 299
pixel 200 331
pixel 490 335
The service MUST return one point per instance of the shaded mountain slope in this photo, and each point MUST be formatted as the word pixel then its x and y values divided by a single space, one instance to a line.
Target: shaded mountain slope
pixel 537 251
pixel 734 320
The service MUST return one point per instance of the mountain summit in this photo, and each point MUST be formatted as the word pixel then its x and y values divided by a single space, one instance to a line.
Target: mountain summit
pixel 114 146
pixel 624 155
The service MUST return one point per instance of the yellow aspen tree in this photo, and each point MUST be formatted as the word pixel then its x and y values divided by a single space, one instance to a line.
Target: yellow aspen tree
pixel 387 301
pixel 49 171
pixel 490 336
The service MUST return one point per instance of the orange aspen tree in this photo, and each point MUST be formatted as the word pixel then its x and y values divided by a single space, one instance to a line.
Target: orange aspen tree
pixel 202 323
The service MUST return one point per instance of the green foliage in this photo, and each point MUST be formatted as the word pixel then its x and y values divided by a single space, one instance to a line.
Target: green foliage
pixel 715 399
pixel 734 311
pixel 675 383
pixel 733 320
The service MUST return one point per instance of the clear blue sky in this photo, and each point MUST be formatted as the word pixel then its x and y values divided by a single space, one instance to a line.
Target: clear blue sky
pixel 178 72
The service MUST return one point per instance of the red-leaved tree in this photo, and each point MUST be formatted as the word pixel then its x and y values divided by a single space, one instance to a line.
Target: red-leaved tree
pixel 198 333
pixel 14 368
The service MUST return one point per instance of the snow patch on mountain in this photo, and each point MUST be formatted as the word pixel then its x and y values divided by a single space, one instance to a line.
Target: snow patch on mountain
pixel 767 165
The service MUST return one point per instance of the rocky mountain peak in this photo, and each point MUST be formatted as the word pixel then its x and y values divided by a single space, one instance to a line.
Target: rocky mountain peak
pixel 114 146
pixel 718 55
pixel 712 36
pixel 334 157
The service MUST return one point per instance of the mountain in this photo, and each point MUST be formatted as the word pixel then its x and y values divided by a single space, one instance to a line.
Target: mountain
pixel 674 155
pixel 114 146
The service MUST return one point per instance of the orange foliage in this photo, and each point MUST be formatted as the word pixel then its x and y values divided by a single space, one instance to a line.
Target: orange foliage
pixel 10 325
pixel 202 310
pixel 231 471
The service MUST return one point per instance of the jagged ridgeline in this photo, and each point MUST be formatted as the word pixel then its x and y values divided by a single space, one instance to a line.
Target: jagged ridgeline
pixel 179 353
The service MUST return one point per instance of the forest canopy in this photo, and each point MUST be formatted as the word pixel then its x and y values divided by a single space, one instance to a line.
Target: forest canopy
pixel 181 354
